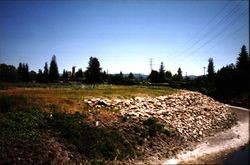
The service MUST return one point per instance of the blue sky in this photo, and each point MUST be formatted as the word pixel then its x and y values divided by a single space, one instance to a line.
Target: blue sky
pixel 124 34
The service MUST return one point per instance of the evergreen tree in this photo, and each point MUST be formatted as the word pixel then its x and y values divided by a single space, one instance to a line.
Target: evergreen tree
pixel 162 76
pixel 39 77
pixel 154 76
pixel 93 72
pixel 105 76
pixel 210 69
pixel 243 66
pixel 23 71
pixel 168 75
pixel 53 70
pixel 179 73
pixel 32 75
pixel 73 73
pixel 65 74
pixel 242 60
pixel 79 74
pixel 131 76
pixel 45 78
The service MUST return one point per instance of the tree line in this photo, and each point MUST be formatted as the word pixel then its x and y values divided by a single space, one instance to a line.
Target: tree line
pixel 231 83
pixel 230 80
pixel 50 74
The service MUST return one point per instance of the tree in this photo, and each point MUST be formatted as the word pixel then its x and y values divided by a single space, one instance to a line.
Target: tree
pixel 53 70
pixel 8 73
pixel 73 73
pixel 65 74
pixel 242 60
pixel 93 72
pixel 210 69
pixel 131 76
pixel 226 81
pixel 105 76
pixel 162 76
pixel 40 76
pixel 32 75
pixel 23 71
pixel 168 75
pixel 45 78
pixel 154 76
pixel 79 74
pixel 179 73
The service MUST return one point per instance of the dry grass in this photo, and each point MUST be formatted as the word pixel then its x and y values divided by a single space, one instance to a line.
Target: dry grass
pixel 71 99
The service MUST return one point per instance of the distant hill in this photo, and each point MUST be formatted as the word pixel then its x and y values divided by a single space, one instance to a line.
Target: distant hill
pixel 137 75
pixel 192 77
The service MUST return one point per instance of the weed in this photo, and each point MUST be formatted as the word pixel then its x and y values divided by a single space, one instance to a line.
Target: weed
pixel 149 121
pixel 136 128
pixel 167 132
pixel 154 127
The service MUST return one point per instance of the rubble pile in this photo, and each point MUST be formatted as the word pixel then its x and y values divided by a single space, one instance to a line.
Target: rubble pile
pixel 190 114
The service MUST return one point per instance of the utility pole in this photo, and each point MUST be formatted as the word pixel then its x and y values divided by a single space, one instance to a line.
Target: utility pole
pixel 204 70
pixel 73 71
pixel 151 64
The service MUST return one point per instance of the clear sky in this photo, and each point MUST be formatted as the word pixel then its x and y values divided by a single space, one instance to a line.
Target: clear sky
pixel 124 34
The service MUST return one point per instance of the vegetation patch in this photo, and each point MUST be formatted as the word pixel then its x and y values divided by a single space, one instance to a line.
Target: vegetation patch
pixel 22 125
pixel 154 127
pixel 93 141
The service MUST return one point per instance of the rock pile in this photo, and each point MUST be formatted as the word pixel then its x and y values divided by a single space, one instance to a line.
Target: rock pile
pixel 190 114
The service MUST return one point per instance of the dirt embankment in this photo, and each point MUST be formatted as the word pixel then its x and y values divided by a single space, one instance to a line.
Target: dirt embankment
pixel 192 116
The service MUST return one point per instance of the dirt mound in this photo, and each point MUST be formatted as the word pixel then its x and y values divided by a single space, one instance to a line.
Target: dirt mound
pixel 192 115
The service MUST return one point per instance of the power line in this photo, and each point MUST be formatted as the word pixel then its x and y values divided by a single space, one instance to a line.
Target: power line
pixel 215 36
pixel 206 25
pixel 223 19
pixel 228 36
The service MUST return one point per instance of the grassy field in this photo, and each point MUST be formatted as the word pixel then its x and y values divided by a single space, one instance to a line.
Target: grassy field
pixel 71 98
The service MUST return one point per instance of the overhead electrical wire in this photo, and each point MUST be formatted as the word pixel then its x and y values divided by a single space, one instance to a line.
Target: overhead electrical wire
pixel 216 35
pixel 228 36
pixel 204 27
pixel 222 20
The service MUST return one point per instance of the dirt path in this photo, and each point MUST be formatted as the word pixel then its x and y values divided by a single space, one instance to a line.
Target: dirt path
pixel 211 148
